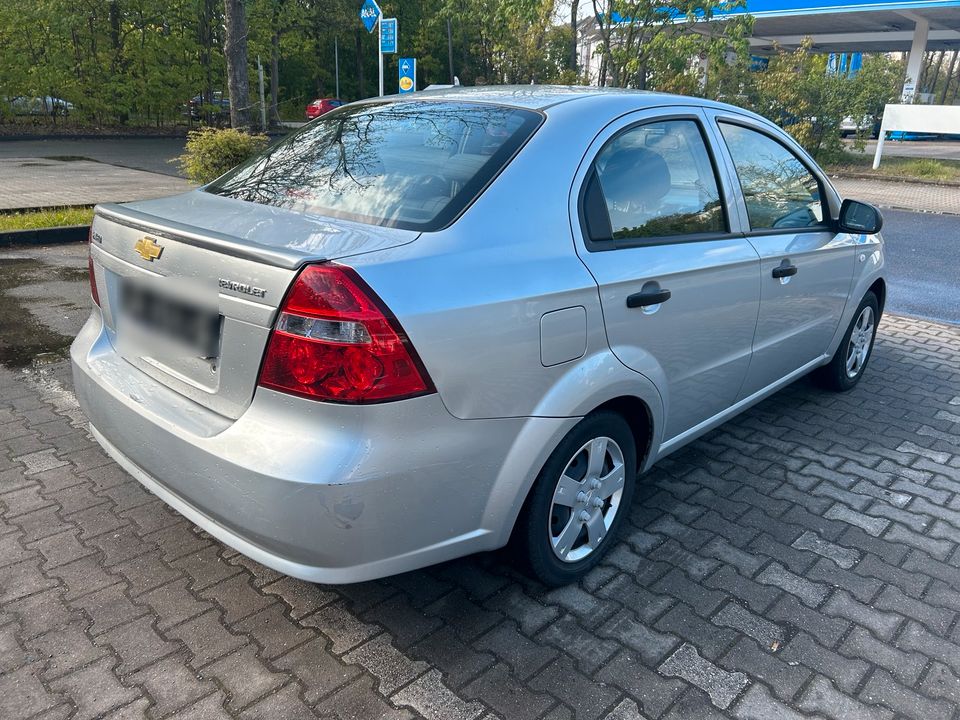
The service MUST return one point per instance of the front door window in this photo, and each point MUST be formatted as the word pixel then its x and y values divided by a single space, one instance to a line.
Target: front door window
pixel 778 190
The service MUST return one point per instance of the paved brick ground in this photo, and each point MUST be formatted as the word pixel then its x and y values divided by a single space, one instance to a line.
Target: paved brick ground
pixel 903 195
pixel 802 561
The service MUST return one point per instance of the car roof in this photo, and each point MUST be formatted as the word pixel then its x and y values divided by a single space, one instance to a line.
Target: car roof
pixel 533 97
pixel 543 97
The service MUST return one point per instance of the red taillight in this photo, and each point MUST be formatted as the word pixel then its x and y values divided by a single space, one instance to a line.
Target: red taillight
pixel 335 340
pixel 94 293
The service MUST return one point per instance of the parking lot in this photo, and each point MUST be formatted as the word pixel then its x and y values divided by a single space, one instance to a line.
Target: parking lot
pixel 56 172
pixel 801 561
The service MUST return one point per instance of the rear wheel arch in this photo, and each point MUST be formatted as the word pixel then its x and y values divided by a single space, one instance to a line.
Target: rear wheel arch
pixel 631 395
pixel 640 419
pixel 638 416
pixel 575 506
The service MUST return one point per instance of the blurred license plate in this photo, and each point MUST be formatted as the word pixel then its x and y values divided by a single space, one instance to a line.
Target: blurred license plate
pixel 156 322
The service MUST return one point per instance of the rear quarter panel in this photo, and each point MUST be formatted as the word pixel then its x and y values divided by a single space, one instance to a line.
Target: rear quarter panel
pixel 471 297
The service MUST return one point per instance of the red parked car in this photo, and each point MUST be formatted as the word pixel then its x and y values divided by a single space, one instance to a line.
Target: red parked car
pixel 322 106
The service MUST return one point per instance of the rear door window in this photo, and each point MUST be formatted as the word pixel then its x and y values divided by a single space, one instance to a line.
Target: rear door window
pixel 413 164
pixel 656 181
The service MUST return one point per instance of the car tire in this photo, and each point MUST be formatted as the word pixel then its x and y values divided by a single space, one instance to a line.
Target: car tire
pixel 579 500
pixel 849 362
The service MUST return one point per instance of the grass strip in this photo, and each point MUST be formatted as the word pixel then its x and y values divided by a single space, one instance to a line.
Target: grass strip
pixel 45 218
pixel 923 169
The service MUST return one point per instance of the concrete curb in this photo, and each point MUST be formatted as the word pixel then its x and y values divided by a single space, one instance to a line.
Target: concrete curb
pixel 45 236
pixel 887 178
pixel 901 208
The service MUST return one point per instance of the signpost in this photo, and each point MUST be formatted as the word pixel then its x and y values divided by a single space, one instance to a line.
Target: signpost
pixel 388 35
pixel 408 75
pixel 934 119
pixel 370 16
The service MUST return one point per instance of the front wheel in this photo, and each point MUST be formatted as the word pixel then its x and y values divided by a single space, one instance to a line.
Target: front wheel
pixel 846 368
pixel 579 500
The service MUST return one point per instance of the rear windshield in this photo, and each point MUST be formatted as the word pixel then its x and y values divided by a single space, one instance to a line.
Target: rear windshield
pixel 413 164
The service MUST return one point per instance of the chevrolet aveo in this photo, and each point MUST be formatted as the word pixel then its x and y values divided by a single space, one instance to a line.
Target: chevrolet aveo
pixel 427 326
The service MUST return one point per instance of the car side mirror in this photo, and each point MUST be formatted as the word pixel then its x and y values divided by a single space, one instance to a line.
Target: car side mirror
pixel 859 217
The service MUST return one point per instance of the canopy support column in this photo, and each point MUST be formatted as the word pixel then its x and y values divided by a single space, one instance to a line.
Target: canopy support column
pixel 915 60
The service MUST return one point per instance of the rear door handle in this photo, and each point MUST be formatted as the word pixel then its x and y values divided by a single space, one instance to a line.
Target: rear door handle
pixel 643 299
pixel 782 271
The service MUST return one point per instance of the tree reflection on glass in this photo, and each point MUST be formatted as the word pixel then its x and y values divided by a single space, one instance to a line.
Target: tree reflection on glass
pixel 658 181
pixel 778 190
pixel 409 164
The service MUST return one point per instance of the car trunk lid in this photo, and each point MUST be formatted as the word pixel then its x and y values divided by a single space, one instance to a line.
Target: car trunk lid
pixel 223 265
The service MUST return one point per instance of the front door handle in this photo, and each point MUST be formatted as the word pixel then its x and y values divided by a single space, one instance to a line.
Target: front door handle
pixel 782 271
pixel 649 297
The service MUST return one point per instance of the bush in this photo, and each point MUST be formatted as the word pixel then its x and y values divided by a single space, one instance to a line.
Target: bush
pixel 797 92
pixel 211 152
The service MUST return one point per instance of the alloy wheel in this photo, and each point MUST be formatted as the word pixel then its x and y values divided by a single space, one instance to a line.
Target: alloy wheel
pixel 586 499
pixel 861 338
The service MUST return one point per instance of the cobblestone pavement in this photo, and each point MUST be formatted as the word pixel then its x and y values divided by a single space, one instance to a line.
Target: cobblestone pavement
pixel 30 182
pixel 903 195
pixel 801 561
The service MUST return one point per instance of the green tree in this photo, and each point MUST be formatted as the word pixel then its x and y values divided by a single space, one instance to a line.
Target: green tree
pixel 797 92
pixel 138 62
pixel 635 34
pixel 238 71
pixel 876 84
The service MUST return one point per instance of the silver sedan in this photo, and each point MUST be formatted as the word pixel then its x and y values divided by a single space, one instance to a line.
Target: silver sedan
pixel 427 326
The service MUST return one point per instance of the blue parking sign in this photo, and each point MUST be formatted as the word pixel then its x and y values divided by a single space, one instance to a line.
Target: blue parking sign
pixel 408 75
pixel 388 35
pixel 369 12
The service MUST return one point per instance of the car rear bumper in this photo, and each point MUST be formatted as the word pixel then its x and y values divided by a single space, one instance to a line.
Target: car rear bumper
pixel 323 492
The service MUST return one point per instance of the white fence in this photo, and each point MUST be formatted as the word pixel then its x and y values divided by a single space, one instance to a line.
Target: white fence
pixel 917 118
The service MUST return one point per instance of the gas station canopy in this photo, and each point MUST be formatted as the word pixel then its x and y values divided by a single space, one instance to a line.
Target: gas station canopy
pixel 855 25
pixel 834 26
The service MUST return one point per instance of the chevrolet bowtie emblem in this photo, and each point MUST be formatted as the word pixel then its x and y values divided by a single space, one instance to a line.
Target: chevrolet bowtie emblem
pixel 148 249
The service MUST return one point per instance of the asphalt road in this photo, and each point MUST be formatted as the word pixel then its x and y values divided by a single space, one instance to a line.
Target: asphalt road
pixel 923 257
pixel 940 150
pixel 150 154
